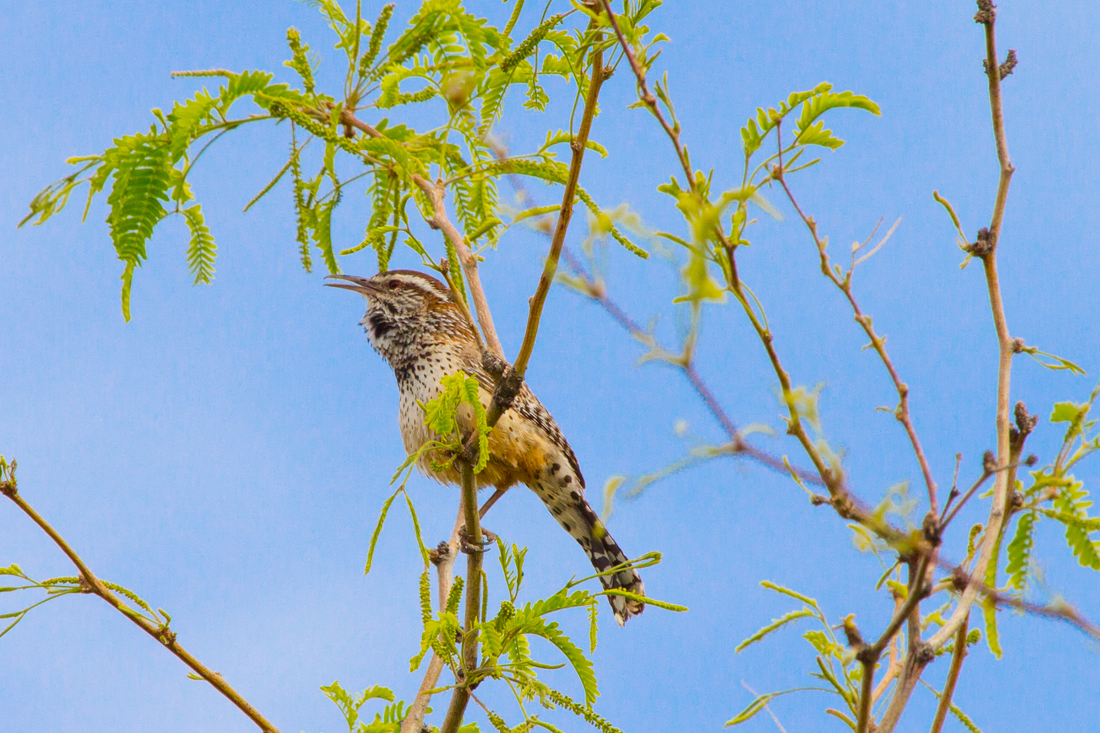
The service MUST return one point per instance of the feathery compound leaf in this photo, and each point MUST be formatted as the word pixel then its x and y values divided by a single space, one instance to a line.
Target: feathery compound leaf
pixel 818 104
pixel 1019 551
pixel 753 133
pixel 300 62
pixel 141 166
pixel 788 592
pixel 774 626
pixel 201 251
pixel 378 530
pixel 528 45
pixel 1073 502
pixel 580 663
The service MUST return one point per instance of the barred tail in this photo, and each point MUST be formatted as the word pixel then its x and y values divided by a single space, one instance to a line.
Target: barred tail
pixel 566 502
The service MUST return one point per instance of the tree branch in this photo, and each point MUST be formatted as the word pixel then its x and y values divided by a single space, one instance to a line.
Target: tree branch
pixel 158 631
pixel 877 342
pixel 565 215
pixel 473 540
pixel 957 657
pixel 987 16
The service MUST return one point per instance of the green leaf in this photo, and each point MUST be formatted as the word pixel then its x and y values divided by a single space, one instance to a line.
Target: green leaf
pixel 773 626
pixel 1019 551
pixel 378 530
pixel 788 592
pixel 989 607
pixel 1068 412
pixel 201 251
pixel 759 703
pixel 818 104
pixel 823 644
pixel 1073 502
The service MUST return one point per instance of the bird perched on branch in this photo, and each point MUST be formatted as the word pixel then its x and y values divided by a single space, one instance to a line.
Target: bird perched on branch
pixel 415 325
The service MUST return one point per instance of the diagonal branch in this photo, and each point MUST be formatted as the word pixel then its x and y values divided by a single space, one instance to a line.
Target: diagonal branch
pixel 596 291
pixel 565 215
pixel 158 631
pixel 844 284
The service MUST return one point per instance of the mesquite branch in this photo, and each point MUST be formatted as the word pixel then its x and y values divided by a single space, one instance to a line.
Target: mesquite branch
pixel 159 631
pixel 958 654
pixel 565 215
pixel 986 250
pixel 844 284
pixel 596 291
pixel 473 540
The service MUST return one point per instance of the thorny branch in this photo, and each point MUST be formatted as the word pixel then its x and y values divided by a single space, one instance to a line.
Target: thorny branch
pixel 161 632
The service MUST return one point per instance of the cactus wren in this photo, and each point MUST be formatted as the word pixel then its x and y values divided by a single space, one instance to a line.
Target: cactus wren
pixel 413 323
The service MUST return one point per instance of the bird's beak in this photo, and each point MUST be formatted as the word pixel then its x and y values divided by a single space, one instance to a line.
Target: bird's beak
pixel 354 283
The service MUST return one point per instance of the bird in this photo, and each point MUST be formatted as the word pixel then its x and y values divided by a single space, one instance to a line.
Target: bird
pixel 414 323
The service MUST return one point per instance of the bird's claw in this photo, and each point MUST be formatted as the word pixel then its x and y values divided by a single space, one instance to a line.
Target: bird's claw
pixel 469 547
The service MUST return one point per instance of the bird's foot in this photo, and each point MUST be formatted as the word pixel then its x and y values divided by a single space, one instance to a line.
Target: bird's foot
pixel 470 547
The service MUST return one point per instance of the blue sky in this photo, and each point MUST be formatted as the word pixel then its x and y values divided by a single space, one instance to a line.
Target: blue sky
pixel 226 453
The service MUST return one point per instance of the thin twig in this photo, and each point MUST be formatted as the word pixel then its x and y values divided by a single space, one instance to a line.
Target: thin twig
pixel 987 471
pixel 986 250
pixel 844 284
pixel 444 559
pixel 647 97
pixel 160 632
pixel 460 698
pixel 565 215
pixel 957 657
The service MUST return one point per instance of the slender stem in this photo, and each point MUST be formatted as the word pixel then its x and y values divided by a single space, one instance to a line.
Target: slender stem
pixel 565 215
pixel 738 445
pixel 866 696
pixel 844 284
pixel 160 632
pixel 647 97
pixel 969 492
pixel 918 591
pixel 461 695
pixel 1001 486
pixel 444 560
pixel 957 657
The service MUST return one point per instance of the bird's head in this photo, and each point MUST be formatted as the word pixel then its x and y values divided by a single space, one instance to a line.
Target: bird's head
pixel 404 307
